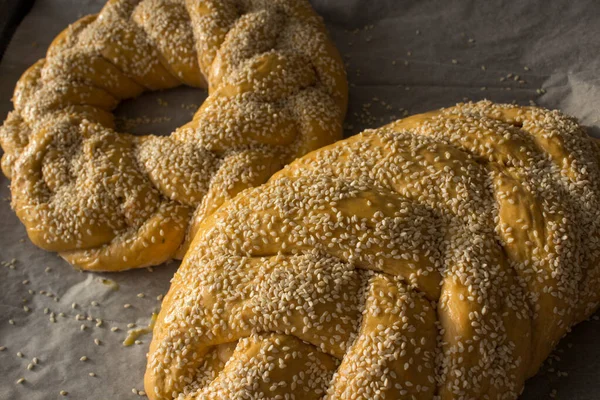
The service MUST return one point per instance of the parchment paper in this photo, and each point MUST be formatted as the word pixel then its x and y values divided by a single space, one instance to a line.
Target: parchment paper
pixel 402 57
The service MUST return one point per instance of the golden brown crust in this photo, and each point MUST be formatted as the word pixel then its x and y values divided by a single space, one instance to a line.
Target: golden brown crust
pixel 442 256
pixel 277 90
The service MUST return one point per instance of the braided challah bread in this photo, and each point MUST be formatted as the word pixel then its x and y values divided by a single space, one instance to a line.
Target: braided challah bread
pixel 440 257
pixel 112 201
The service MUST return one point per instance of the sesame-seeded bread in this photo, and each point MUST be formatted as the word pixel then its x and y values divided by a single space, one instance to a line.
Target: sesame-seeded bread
pixel 440 257
pixel 111 201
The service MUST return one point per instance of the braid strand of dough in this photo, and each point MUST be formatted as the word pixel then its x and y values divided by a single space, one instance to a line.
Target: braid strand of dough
pixel 440 257
pixel 111 201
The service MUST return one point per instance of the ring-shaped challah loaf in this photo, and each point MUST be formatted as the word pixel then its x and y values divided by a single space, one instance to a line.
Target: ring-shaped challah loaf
pixel 112 201
pixel 439 257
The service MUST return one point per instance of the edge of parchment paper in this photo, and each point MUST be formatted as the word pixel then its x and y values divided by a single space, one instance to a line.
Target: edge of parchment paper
pixel 14 12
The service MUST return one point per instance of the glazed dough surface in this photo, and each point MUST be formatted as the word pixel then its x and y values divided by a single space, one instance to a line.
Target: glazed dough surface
pixel 111 201
pixel 440 257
